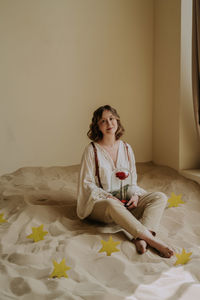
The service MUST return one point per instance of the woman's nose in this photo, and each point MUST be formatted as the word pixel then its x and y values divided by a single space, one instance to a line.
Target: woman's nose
pixel 108 122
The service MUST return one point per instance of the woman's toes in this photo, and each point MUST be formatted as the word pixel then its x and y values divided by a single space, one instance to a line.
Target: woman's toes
pixel 171 252
pixel 168 253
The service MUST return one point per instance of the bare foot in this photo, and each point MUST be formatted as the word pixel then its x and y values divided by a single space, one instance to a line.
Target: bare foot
pixel 163 250
pixel 141 246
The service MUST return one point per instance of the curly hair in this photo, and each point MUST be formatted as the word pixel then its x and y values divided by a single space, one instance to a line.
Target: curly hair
pixel 94 133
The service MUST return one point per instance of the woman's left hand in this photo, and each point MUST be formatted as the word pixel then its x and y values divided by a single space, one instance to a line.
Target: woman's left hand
pixel 133 202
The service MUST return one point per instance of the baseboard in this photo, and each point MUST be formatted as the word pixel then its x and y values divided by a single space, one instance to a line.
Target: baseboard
pixel 193 174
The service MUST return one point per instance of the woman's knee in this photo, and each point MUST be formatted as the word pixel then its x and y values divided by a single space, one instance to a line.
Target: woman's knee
pixel 111 207
pixel 161 197
pixel 112 203
pixel 107 203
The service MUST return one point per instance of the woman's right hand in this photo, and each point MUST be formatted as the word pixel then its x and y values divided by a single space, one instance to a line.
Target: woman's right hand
pixel 133 202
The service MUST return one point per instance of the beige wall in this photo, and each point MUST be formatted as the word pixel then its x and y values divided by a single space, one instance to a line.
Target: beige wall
pixel 62 59
pixel 175 141
pixel 167 83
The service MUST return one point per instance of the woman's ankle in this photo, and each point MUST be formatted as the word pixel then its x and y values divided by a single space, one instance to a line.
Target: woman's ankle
pixel 146 236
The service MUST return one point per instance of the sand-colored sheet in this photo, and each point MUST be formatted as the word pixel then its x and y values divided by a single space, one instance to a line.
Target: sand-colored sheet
pixel 30 197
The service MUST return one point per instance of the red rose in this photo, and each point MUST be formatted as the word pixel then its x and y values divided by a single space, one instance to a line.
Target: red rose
pixel 124 201
pixel 122 175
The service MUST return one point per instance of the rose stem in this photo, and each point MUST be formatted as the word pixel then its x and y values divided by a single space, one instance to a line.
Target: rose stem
pixel 121 190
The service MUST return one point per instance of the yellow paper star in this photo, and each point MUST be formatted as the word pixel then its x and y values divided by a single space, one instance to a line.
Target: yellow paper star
pixel 37 233
pixel 175 200
pixel 109 246
pixel 182 258
pixel 2 220
pixel 60 269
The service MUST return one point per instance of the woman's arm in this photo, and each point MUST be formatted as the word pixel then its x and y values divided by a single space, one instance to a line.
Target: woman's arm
pixel 88 190
pixel 134 188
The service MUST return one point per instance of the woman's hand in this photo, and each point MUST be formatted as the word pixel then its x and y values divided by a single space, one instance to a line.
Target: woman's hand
pixel 133 202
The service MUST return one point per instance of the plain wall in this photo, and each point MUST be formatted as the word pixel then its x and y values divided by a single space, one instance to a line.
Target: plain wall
pixel 166 109
pixel 175 140
pixel 62 59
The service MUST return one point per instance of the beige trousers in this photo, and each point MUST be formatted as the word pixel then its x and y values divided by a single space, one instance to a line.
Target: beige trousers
pixel 146 215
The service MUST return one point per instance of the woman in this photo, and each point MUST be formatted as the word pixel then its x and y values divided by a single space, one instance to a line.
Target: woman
pixel 102 161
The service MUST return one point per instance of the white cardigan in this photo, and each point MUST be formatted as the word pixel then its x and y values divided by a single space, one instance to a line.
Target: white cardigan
pixel 88 187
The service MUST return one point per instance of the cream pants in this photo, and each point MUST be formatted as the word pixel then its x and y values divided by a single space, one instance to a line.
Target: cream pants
pixel 146 215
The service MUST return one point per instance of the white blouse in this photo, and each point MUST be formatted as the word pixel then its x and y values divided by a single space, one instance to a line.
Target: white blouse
pixel 88 187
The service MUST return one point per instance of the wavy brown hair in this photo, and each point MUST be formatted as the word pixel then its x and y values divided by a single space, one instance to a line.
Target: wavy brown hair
pixel 94 133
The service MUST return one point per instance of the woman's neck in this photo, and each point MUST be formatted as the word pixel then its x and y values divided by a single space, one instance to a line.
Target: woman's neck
pixel 108 141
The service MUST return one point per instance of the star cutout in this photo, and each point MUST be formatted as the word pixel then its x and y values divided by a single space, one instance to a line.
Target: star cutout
pixel 60 269
pixel 2 220
pixel 175 200
pixel 37 233
pixel 182 258
pixel 109 246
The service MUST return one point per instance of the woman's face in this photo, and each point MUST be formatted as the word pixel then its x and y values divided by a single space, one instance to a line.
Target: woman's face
pixel 108 123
